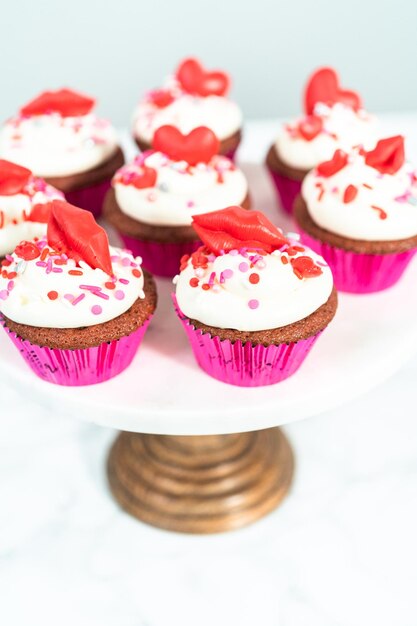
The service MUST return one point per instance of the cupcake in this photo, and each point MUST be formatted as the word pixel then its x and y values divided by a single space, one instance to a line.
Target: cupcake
pixel 333 119
pixel 58 137
pixel 75 308
pixel 252 301
pixel 191 98
pixel 23 199
pixel 359 211
pixel 154 198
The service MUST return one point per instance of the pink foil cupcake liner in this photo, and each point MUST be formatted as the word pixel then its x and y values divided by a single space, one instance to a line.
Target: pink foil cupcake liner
pixel 75 368
pixel 90 198
pixel 245 364
pixel 161 259
pixel 360 273
pixel 287 188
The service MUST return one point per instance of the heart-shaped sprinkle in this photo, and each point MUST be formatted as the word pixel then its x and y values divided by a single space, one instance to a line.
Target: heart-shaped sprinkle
pixel 350 194
pixel 234 228
pixel 199 146
pixel 13 178
pixel 161 98
pixel 75 232
pixel 323 86
pixel 66 102
pixel 304 267
pixel 388 155
pixel 336 163
pixel 310 127
pixel 195 80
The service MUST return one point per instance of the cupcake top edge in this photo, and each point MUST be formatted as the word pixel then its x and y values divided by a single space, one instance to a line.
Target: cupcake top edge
pixel 70 278
pixel 180 178
pixel 334 118
pixel 189 98
pixel 57 134
pixel 249 276
pixel 365 195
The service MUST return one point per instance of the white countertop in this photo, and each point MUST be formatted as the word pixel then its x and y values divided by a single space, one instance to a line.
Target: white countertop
pixel 340 551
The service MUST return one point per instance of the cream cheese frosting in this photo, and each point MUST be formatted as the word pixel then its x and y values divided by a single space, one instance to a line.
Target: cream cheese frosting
pixel 384 207
pixel 15 225
pixel 51 145
pixel 52 291
pixel 247 291
pixel 180 190
pixel 186 112
pixel 342 128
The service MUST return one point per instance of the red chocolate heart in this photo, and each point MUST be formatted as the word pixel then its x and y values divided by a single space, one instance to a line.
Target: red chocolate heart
pixel 336 163
pixel 310 127
pixel 196 80
pixel 161 98
pixel 234 228
pixel 66 102
pixel 304 267
pixel 145 178
pixel 75 233
pixel 199 146
pixel 13 178
pixel 323 86
pixel 388 155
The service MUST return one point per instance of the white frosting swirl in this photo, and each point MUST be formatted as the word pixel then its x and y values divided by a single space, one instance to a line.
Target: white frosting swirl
pixel 395 195
pixel 186 112
pixel 180 191
pixel 74 300
pixel 233 301
pixel 342 128
pixel 15 210
pixel 51 145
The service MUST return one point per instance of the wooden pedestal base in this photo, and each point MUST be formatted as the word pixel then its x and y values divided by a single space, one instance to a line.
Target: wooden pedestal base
pixel 200 484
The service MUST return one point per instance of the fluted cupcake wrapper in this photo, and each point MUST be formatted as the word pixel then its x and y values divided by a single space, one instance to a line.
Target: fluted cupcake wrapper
pixel 245 364
pixel 287 188
pixel 360 273
pixel 75 368
pixel 90 198
pixel 161 259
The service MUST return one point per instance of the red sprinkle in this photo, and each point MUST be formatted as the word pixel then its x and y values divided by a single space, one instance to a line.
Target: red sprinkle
pixel 284 260
pixel 304 267
pixel 52 295
pixel 75 272
pixel 254 278
pixel 137 273
pixel 110 285
pixel 382 215
pixel 44 254
pixel 350 194
pixel 27 251
pixel 206 287
pixel 194 282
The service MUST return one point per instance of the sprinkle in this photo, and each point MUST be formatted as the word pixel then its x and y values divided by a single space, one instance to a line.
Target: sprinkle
pixel 211 279
pixel 206 287
pixel 124 281
pixel 57 270
pixel 350 194
pixel 284 260
pixel 69 297
pixel 366 186
pixel 110 285
pixel 4 294
pixel 52 295
pixel 41 264
pixel 96 309
pixel 253 304
pixel 227 273
pixel 243 267
pixel 78 299
pixel 190 204
pixel 99 294
pixel 194 282
pixel 44 254
pixel 381 213
pixel 119 294
pixel 75 272
pixel 137 273
pixel 125 261
pixel 49 266
pixel 233 252
pixel 254 279
pixel 10 285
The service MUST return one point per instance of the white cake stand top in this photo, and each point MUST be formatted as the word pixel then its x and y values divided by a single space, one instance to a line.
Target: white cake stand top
pixel 164 391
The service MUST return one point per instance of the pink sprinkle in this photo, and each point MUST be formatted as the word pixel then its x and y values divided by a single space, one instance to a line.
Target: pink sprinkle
pixel 243 267
pixel 124 281
pixel 96 309
pixel 114 258
pixel 9 257
pixel 49 266
pixel 10 285
pixel 89 287
pixel 211 279
pixel 125 261
pixel 253 304
pixel 41 263
pixel 98 293
pixel 57 270
pixel 4 294
pixel 119 295
pixel 233 252
pixel 69 297
pixel 228 273
pixel 190 204
pixel 77 300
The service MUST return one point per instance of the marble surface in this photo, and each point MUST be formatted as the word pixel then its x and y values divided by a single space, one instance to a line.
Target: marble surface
pixel 340 551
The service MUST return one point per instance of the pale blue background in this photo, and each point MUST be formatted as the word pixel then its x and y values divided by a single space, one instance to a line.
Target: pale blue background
pixel 115 50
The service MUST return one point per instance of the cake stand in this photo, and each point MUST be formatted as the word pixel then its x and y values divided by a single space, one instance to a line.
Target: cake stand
pixel 199 456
